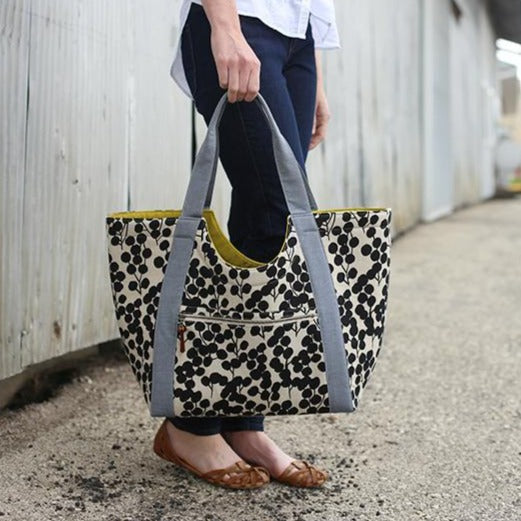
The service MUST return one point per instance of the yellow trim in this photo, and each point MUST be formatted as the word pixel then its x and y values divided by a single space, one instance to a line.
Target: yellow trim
pixel 156 214
pixel 228 253
pixel 226 250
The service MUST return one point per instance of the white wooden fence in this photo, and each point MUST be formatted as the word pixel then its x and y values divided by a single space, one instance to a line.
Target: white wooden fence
pixel 91 122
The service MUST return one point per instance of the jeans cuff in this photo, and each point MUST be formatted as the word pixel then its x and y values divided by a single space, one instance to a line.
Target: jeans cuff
pixel 199 430
pixel 243 425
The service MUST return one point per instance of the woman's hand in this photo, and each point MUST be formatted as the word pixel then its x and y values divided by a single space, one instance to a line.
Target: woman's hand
pixel 237 65
pixel 322 114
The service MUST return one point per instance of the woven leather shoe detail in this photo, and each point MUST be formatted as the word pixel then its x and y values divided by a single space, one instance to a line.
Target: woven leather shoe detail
pixel 237 475
pixel 306 475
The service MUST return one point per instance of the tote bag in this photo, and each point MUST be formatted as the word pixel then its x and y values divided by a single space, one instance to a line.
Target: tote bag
pixel 209 331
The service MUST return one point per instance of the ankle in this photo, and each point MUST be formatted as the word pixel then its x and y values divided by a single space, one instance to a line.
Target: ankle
pixel 254 442
pixel 246 433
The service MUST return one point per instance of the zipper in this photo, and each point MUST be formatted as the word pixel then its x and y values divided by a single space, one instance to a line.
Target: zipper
pixel 267 321
pixel 181 328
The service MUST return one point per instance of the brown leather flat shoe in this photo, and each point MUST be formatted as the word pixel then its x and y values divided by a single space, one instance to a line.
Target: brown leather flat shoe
pixel 306 475
pixel 240 474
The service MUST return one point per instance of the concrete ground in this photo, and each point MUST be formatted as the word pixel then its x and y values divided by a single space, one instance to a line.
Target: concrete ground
pixel 437 435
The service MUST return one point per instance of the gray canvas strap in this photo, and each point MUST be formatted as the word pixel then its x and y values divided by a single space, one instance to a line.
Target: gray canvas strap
pixel 279 158
pixel 300 203
pixel 295 187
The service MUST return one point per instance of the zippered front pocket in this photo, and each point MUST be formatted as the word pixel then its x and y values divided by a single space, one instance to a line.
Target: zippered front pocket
pixel 183 317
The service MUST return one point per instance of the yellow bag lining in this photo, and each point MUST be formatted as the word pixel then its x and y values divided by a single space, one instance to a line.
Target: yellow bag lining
pixel 227 251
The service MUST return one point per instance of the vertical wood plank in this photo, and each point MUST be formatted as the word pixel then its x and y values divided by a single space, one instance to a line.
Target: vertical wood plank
pixel 77 139
pixel 14 59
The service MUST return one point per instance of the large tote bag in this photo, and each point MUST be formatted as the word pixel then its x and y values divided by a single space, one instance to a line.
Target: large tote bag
pixel 209 331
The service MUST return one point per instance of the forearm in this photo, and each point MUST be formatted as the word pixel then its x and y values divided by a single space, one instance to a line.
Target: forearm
pixel 238 68
pixel 222 14
pixel 318 61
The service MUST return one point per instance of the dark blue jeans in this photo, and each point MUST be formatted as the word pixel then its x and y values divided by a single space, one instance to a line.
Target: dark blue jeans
pixel 258 210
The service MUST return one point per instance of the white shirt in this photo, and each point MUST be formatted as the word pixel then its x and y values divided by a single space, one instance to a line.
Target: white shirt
pixel 290 17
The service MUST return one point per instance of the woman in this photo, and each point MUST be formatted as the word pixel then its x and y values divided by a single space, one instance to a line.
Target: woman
pixel 246 47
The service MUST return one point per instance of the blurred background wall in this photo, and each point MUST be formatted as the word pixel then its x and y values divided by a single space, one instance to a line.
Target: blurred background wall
pixel 92 123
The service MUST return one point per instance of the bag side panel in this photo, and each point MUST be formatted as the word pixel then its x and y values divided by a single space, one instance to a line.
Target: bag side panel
pixel 138 254
pixel 357 245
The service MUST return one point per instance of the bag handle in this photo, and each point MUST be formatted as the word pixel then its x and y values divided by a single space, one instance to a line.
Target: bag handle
pixel 294 182
pixel 172 287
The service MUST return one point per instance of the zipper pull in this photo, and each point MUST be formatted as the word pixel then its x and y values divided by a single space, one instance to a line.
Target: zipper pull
pixel 181 328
